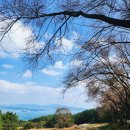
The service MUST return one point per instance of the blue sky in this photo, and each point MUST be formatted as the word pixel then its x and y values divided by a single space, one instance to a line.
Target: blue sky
pixel 20 85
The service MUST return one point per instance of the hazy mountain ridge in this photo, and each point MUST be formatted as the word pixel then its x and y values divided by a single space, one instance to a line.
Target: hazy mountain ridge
pixel 29 111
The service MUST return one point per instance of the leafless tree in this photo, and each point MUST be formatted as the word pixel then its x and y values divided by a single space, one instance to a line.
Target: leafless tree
pixel 104 51
pixel 107 18
pixel 107 76
pixel 63 117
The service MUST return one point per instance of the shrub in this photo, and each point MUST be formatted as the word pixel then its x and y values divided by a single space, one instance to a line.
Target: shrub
pixel 39 125
pixel 1 122
pixel 9 121
pixel 29 126
pixel 63 118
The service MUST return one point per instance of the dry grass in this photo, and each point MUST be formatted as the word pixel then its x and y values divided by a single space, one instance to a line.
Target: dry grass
pixel 80 127
pixel 93 125
pixel 71 128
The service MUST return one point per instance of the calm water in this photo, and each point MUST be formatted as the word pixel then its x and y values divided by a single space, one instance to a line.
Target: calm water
pixel 27 115
pixel 27 112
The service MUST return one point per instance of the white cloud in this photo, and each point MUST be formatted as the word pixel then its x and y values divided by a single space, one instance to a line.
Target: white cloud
pixel 66 44
pixel 31 93
pixel 27 74
pixel 8 87
pixel 50 72
pixel 59 65
pixel 7 66
pixel 15 41
pixel 54 70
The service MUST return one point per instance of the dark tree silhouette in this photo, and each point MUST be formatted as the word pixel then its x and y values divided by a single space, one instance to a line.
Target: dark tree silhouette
pixel 108 18
pixel 103 47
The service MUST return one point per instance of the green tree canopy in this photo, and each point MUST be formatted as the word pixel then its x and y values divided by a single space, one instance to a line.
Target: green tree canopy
pixel 10 121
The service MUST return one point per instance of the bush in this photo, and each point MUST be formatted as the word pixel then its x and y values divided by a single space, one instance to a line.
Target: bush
pixel 9 121
pixel 39 125
pixel 63 118
pixel 50 123
pixel 29 126
pixel 1 122
pixel 88 116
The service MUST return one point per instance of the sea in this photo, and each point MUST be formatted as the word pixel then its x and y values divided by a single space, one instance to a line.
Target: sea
pixel 30 111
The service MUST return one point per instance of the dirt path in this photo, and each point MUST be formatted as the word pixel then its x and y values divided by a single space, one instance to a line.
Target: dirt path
pixel 80 127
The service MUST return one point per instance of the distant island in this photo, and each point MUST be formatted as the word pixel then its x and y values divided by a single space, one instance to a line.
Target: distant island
pixel 30 111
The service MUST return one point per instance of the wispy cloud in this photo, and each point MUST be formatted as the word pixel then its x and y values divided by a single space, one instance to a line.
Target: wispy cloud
pixel 7 66
pixel 27 74
pixel 54 70
pixel 59 65
pixel 50 72
pixel 14 93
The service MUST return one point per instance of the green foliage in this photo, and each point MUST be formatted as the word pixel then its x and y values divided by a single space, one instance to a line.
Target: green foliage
pixel 93 116
pixel 28 126
pixel 10 121
pixel 1 122
pixel 104 116
pixel 21 123
pixel 50 123
pixel 42 118
pixel 88 116
pixel 39 125
pixel 60 120
pixel 44 121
